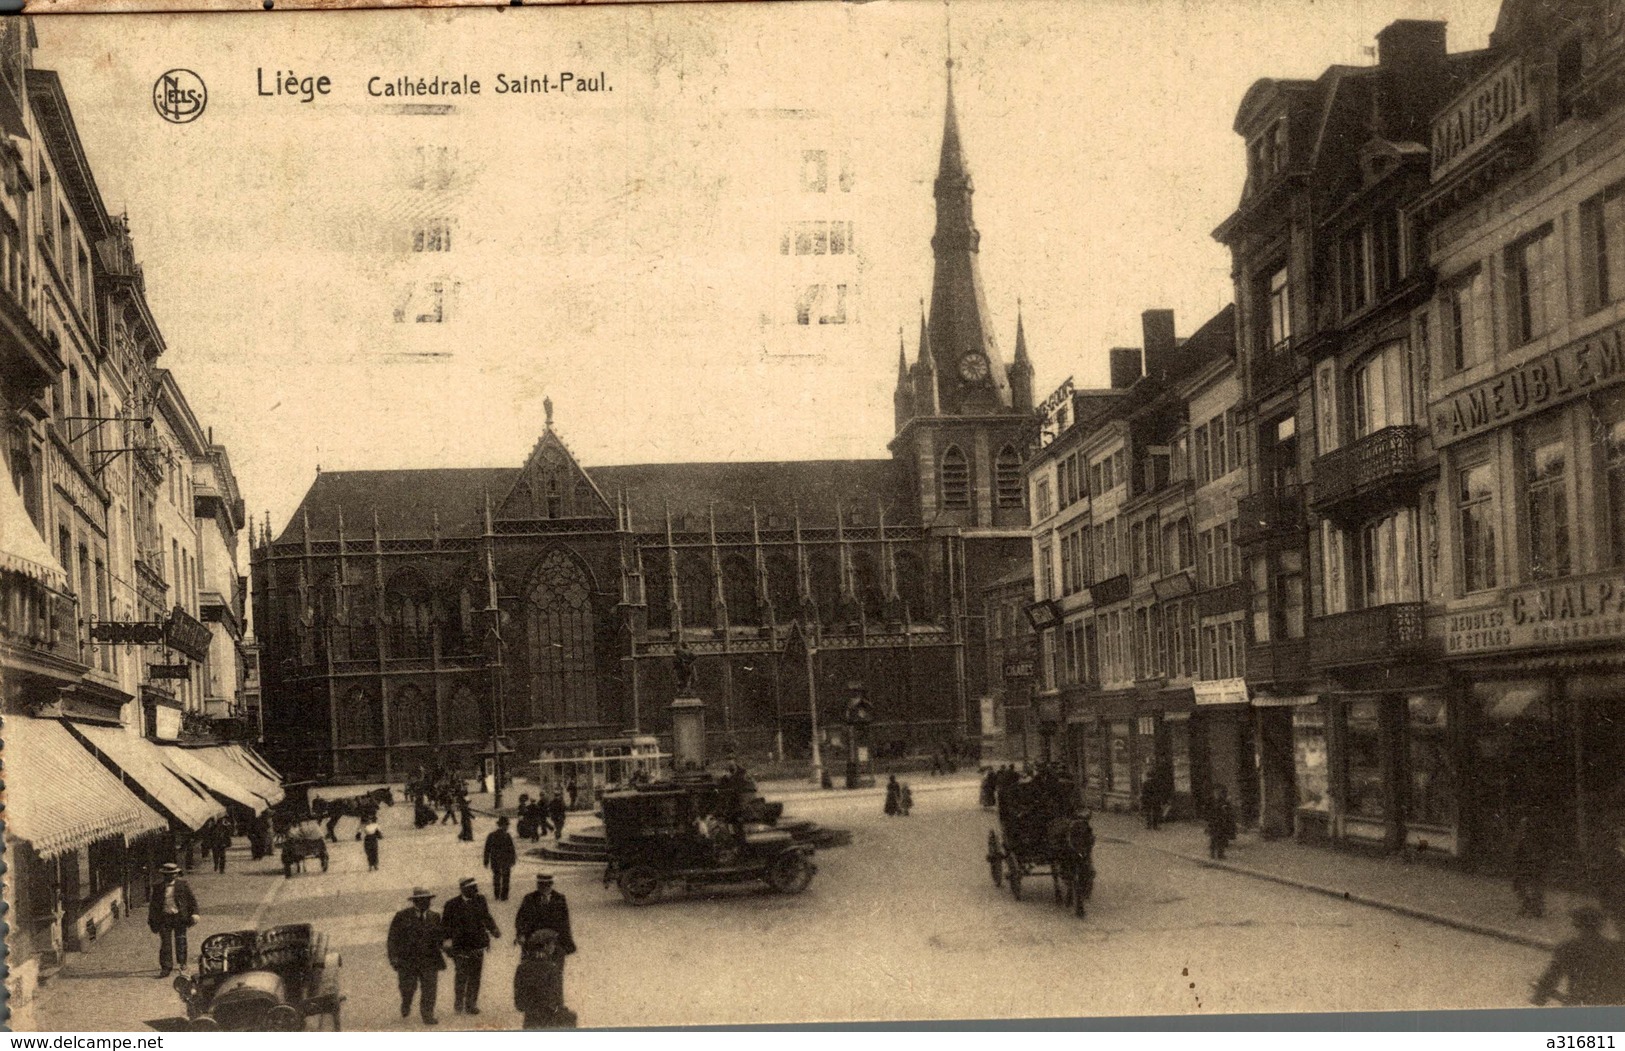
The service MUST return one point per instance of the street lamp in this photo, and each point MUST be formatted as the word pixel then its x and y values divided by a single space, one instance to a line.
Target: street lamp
pixel 494 644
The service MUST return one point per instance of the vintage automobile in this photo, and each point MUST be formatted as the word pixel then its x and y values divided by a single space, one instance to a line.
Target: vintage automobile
pixel 698 831
pixel 299 844
pixel 272 980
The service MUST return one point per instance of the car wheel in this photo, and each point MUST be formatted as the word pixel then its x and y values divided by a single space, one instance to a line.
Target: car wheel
pixel 791 872
pixel 640 885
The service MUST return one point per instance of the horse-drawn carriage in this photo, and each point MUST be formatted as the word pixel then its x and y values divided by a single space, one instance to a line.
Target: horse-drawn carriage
pixel 259 981
pixel 301 843
pixel 1043 830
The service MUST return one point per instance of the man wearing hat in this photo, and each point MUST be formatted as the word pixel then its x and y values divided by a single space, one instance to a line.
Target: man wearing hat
pixel 170 911
pixel 415 937
pixel 470 928
pixel 538 983
pixel 1590 962
pixel 500 856
pixel 545 909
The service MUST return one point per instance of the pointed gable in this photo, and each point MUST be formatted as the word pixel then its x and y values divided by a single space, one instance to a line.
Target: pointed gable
pixel 553 485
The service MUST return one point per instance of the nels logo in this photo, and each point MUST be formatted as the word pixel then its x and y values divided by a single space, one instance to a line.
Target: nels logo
pixel 179 96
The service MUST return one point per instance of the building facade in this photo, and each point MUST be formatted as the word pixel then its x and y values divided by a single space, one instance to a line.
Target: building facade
pixel 94 624
pixel 409 618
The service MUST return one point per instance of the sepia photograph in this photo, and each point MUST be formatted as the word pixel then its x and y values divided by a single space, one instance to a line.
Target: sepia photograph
pixel 700 514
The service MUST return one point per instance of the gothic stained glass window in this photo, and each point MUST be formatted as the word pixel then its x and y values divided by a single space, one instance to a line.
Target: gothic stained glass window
pixel 563 684
pixel 407 611
pixel 911 585
pixel 867 581
pixel 410 720
pixel 781 583
pixel 359 721
pixel 694 588
pixel 739 588
pixel 465 716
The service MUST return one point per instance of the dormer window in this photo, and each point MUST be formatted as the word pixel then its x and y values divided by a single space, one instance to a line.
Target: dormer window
pixel 1266 154
pixel 1277 150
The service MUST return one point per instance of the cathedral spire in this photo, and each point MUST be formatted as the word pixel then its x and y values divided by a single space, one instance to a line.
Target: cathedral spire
pixel 926 401
pixel 973 375
pixel 903 397
pixel 1021 369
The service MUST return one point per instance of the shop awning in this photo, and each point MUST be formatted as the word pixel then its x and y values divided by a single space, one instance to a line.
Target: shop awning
pixel 237 759
pixel 58 797
pixel 22 549
pixel 259 763
pixel 142 761
pixel 219 780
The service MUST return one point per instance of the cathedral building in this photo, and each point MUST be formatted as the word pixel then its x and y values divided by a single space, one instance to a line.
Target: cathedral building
pixel 411 617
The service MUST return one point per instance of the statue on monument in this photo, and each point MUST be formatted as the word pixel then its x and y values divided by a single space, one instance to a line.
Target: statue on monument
pixel 682 666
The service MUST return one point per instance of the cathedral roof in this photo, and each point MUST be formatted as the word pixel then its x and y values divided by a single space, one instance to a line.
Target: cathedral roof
pixel 407 502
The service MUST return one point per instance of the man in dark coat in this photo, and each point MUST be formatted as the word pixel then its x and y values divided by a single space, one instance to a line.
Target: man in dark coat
pixel 171 911
pixel 500 857
pixel 894 793
pixel 415 937
pixel 538 984
pixel 1221 824
pixel 1589 962
pixel 469 930
pixel 555 814
pixel 543 908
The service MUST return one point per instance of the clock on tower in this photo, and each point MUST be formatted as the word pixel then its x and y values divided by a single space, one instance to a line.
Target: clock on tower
pixel 973 367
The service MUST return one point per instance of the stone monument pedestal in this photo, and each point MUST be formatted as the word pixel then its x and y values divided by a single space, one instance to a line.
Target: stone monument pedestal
pixel 687 734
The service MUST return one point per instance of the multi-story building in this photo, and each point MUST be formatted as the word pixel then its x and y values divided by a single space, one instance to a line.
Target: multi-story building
pixel 1522 347
pixel 1118 496
pixel 220 512
pixel 1012 661
pixel 85 613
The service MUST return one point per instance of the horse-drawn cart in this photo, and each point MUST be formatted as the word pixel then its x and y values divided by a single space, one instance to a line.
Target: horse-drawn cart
pixel 1043 831
pixel 301 843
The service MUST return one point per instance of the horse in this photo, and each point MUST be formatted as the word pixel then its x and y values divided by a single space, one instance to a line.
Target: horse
pixel 364 806
pixel 1071 843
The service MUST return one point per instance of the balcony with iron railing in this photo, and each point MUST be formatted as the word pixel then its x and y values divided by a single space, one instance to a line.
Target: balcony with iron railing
pixel 38 622
pixel 1273 367
pixel 1112 589
pixel 1375 635
pixel 1269 514
pixel 1367 476
pixel 1283 660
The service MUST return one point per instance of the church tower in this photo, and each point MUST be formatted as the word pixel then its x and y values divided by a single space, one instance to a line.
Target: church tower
pixel 970 414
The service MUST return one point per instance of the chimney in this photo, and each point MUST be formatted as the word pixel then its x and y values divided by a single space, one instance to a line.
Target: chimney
pixel 1125 367
pixel 1157 327
pixel 1412 78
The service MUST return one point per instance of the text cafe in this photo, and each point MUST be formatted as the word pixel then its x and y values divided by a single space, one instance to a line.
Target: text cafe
pixel 1541 683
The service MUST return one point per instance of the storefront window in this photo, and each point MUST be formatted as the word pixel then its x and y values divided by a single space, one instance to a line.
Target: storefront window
pixel 1362 736
pixel 1094 756
pixel 1309 748
pixel 1432 776
pixel 1179 752
pixel 1121 777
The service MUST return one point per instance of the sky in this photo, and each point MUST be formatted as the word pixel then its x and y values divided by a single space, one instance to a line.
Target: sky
pixel 630 252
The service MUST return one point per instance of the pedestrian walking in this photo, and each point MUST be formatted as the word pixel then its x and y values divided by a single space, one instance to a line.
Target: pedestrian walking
pixel 469 929
pixel 905 799
pixel 989 788
pixel 415 937
pixel 1589 964
pixel 527 822
pixel 545 909
pixel 1155 796
pixel 219 840
pixel 1531 849
pixel 171 911
pixel 538 983
pixel 556 813
pixel 369 836
pixel 500 857
pixel 571 789
pixel 1221 824
pixel 465 814
pixel 894 794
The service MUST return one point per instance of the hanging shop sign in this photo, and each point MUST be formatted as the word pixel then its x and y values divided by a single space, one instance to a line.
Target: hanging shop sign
pixel 186 633
pixel 169 671
pixel 128 632
pixel 1563 612
pixel 1220 691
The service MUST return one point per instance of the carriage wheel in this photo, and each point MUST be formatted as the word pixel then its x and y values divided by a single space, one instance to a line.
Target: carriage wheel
pixel 284 1018
pixel 791 872
pixel 1014 876
pixel 640 885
